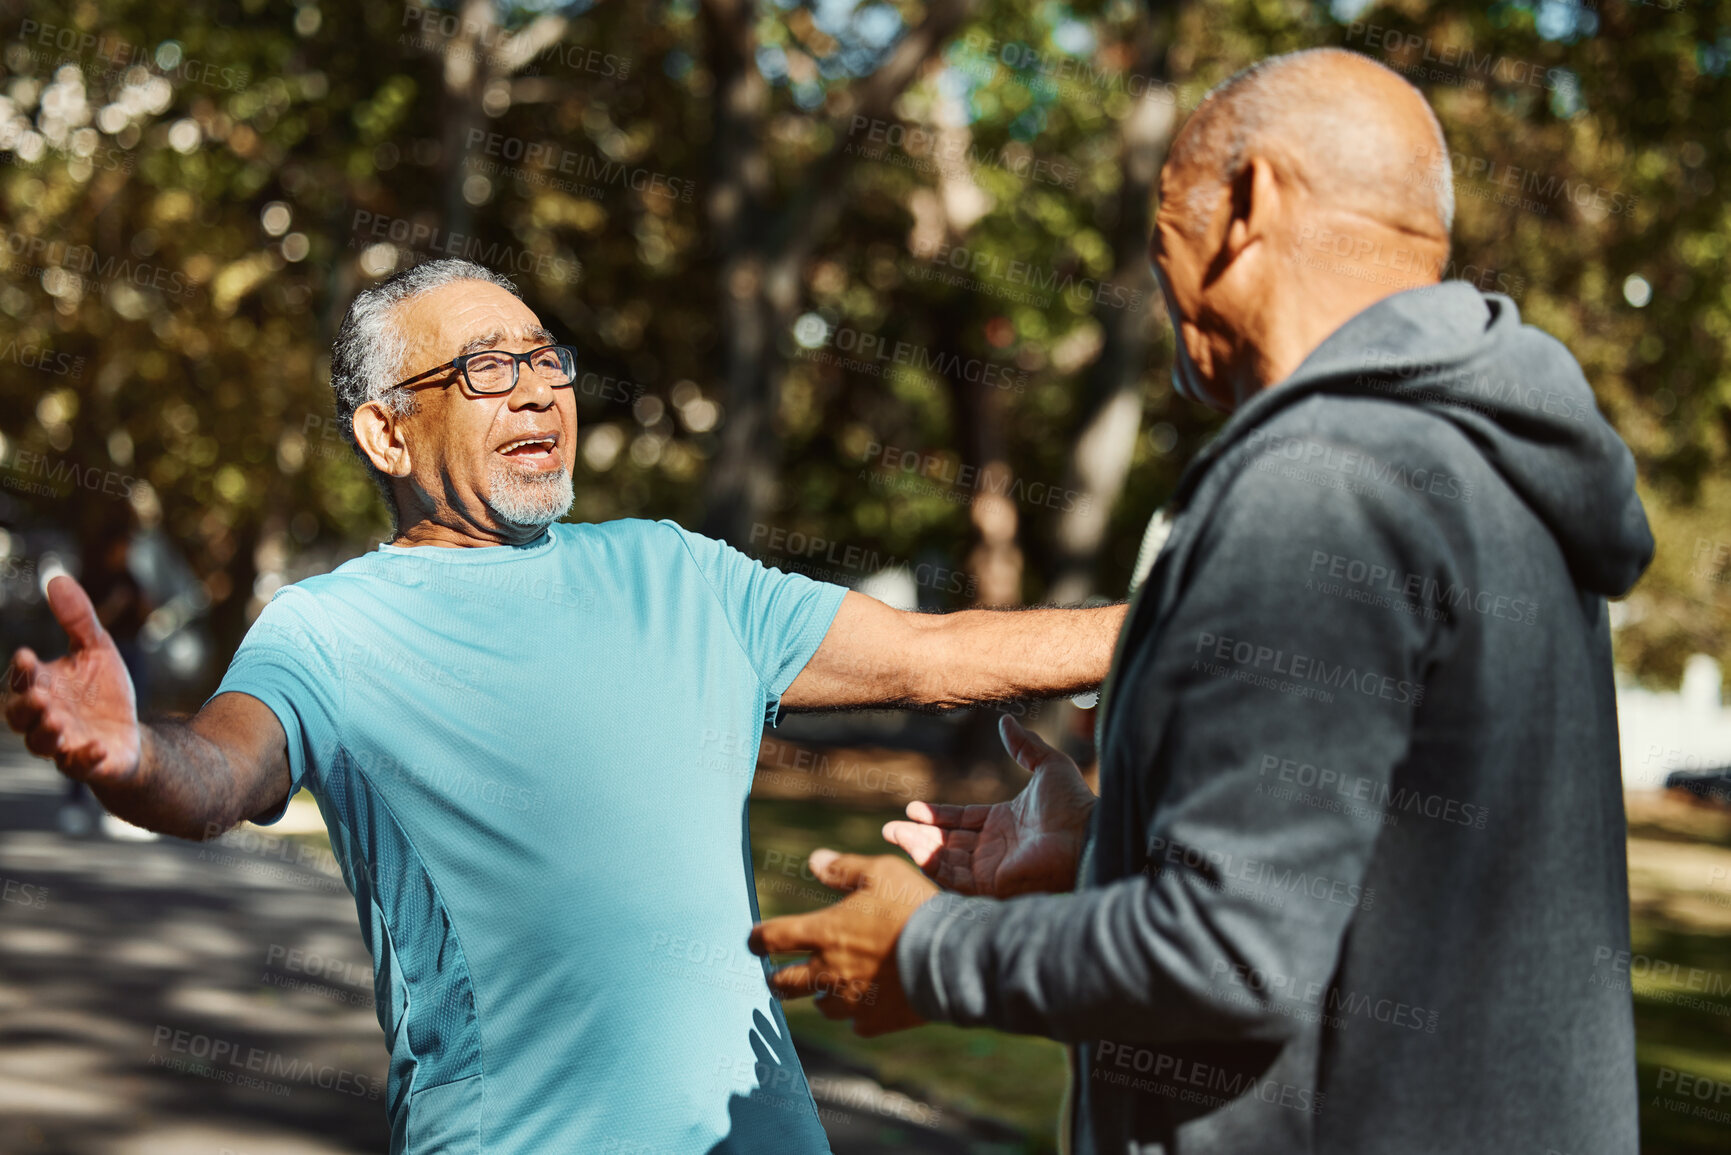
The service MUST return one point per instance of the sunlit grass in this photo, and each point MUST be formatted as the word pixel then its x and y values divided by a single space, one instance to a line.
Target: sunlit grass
pixel 1020 1080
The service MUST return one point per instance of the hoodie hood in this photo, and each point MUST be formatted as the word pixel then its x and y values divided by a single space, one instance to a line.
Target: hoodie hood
pixel 1514 391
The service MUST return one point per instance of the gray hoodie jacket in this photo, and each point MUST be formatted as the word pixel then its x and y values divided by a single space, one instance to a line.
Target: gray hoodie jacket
pixel 1356 882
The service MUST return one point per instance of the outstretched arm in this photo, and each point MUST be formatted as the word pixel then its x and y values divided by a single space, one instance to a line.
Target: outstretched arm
pixel 190 777
pixel 874 655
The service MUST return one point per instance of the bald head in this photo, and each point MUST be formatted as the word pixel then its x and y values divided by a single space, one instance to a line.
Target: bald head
pixel 1351 133
pixel 1303 191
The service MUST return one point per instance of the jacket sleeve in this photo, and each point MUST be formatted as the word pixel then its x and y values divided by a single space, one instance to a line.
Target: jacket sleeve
pixel 1278 654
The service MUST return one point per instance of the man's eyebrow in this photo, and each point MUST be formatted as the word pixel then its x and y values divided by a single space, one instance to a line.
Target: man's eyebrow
pixel 492 339
pixel 484 341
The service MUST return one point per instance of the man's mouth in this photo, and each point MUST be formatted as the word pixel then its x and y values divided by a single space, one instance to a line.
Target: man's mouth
pixel 534 449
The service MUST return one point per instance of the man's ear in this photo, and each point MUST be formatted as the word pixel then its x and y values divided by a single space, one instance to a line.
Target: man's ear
pixel 380 435
pixel 1256 201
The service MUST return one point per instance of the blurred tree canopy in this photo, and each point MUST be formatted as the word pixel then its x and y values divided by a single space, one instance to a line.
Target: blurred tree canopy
pixel 860 273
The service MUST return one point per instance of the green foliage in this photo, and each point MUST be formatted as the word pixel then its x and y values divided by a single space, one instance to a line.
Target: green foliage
pixel 203 332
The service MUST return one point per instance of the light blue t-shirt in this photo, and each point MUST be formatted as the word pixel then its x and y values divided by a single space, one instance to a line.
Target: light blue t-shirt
pixel 533 762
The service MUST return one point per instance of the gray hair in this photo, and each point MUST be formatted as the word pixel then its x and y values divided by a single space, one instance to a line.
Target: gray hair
pixel 1262 101
pixel 367 356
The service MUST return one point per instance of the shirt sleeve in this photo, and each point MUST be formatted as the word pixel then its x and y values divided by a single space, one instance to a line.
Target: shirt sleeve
pixel 779 618
pixel 289 661
pixel 1238 880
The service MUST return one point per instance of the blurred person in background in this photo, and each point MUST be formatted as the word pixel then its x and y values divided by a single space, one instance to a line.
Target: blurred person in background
pixel 1358 858
pixel 532 743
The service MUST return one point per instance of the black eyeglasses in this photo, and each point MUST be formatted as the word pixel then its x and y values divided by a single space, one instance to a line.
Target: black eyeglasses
pixel 493 371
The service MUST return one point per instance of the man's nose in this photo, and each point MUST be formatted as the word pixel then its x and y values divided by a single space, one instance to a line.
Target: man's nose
pixel 531 392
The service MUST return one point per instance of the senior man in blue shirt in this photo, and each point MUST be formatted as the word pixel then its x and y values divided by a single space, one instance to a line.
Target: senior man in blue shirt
pixel 532 743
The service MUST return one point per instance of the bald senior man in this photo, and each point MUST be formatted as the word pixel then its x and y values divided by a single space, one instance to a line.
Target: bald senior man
pixel 532 743
pixel 1355 880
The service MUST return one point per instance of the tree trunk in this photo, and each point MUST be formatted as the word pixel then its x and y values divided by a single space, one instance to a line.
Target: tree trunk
pixel 741 479
pixel 466 76
pixel 1112 390
pixel 763 247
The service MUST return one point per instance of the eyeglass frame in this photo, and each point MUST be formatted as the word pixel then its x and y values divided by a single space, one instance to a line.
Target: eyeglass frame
pixel 461 364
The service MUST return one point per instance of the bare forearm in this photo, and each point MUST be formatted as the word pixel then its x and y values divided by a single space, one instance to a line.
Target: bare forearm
pixel 875 656
pixel 185 786
pixel 1002 655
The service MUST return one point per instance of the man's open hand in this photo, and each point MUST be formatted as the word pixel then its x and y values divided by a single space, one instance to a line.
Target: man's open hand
pixel 1029 844
pixel 78 710
pixel 852 968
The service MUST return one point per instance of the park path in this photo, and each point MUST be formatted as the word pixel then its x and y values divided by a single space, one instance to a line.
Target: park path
pixel 171 998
